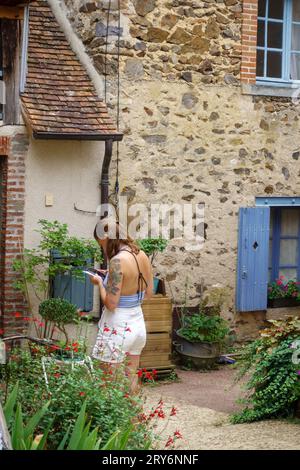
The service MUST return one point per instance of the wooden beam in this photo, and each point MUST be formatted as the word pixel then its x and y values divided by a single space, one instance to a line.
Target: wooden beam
pixel 12 13
pixel 11 39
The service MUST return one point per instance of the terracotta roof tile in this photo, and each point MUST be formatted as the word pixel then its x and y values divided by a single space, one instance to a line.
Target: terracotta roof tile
pixel 59 96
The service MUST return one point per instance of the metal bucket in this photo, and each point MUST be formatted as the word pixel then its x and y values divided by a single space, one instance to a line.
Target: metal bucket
pixel 201 349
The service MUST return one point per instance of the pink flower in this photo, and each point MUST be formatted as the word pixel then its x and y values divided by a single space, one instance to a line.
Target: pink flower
pixel 178 435
pixel 128 329
pixel 298 372
pixel 173 411
pixel 114 332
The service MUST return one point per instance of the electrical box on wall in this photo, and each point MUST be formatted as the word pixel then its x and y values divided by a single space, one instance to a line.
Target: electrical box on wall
pixel 49 200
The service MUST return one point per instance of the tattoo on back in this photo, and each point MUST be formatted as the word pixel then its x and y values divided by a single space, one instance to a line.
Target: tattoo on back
pixel 115 276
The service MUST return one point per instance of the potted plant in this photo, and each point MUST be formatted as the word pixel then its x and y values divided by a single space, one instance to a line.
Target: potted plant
pixel 153 246
pixel 38 267
pixel 201 335
pixel 283 293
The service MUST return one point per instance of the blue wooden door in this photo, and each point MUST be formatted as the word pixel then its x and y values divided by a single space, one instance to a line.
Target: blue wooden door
pixel 253 257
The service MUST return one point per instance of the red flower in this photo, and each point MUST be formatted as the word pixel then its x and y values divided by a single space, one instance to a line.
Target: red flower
pixel 18 315
pixel 41 324
pixel 35 319
pixel 27 319
pixel 1 332
pixel 54 347
pixel 81 394
pixel 75 345
pixel 154 372
pixel 128 329
pixel 161 414
pixel 126 395
pixel 149 376
pixel 106 330
pixel 114 332
pixel 170 441
pixel 178 435
pixel 57 375
pixel 173 411
pixel 67 348
pixel 140 373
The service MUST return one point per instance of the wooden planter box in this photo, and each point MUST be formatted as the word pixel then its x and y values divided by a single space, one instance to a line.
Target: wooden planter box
pixel 158 319
pixel 285 302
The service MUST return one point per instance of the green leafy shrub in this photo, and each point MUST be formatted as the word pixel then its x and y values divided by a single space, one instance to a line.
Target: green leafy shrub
pixel 37 267
pixel 152 246
pixel 109 406
pixel 78 437
pixel 23 436
pixel 273 386
pixel 201 327
pixel 58 313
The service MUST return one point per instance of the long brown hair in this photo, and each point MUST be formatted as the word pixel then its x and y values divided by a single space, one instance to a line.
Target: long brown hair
pixel 114 244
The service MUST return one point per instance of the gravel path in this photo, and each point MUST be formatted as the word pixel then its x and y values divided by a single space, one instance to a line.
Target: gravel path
pixel 204 401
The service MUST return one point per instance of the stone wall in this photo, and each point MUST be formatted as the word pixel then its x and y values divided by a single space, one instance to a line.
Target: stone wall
pixel 190 133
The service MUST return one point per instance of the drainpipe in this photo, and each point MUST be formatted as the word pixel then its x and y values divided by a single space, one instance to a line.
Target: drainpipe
pixel 104 184
pixel 105 172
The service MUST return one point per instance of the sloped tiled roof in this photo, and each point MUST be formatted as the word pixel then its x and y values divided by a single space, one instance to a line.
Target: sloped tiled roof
pixel 60 100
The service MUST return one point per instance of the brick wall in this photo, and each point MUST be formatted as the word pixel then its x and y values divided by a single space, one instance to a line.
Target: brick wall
pixel 14 150
pixel 249 41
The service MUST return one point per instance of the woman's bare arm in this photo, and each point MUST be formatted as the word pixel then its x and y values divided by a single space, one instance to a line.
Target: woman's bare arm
pixel 149 278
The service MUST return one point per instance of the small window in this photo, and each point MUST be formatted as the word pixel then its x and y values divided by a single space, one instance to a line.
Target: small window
pixel 284 254
pixel 278 41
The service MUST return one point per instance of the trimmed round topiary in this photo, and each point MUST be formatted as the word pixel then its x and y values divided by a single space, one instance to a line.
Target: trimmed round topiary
pixel 59 311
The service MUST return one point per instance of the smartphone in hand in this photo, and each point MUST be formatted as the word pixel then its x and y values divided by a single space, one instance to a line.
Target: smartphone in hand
pixel 94 272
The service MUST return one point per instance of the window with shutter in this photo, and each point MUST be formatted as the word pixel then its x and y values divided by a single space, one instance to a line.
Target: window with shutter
pixel 284 254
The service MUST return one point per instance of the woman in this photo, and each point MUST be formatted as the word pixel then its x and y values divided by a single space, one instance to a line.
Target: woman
pixel 122 332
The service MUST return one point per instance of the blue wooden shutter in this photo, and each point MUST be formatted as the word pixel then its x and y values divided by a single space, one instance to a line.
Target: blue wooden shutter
pixel 253 259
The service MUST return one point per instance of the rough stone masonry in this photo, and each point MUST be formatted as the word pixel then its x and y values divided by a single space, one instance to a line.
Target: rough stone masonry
pixel 190 132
